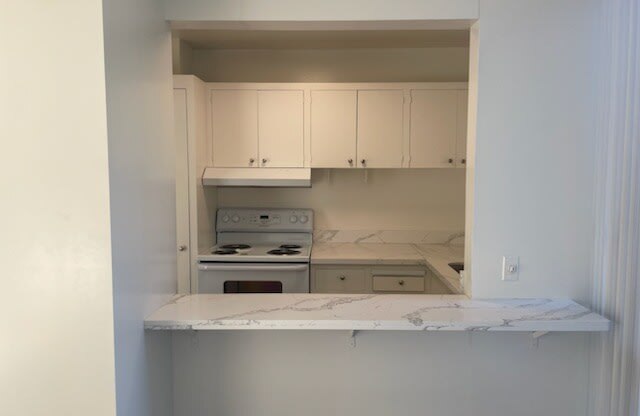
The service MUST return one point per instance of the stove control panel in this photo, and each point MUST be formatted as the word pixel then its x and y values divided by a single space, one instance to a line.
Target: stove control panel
pixel 264 220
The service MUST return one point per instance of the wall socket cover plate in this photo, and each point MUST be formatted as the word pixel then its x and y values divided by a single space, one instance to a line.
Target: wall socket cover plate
pixel 510 268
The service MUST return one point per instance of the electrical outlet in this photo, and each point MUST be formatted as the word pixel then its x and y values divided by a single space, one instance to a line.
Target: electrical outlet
pixel 510 268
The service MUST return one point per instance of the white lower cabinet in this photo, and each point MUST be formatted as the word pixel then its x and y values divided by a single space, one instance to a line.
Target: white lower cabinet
pixel 340 280
pixel 375 279
pixel 398 284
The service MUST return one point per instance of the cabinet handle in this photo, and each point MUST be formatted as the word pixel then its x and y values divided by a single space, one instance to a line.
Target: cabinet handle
pixel 363 161
pixel 350 162
pixel 182 248
pixel 342 277
pixel 264 161
pixel 251 161
pixel 463 161
pixel 401 282
pixel 450 160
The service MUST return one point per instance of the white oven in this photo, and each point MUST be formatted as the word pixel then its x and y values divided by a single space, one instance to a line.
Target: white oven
pixel 258 250
pixel 253 277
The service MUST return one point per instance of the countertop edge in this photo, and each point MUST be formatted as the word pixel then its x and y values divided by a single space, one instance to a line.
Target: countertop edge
pixel 439 313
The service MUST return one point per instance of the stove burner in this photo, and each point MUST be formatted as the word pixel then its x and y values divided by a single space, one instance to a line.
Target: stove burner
pixel 225 252
pixel 236 246
pixel 283 252
pixel 290 246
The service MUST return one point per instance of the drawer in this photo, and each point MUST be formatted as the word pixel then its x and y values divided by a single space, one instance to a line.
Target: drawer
pixel 340 280
pixel 398 284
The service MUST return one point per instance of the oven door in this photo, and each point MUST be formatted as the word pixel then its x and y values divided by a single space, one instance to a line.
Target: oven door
pixel 253 278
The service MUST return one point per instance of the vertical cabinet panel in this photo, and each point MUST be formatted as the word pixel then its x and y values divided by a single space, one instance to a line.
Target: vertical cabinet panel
pixel 433 128
pixel 234 119
pixel 461 130
pixel 333 129
pixel 280 128
pixel 380 128
pixel 182 188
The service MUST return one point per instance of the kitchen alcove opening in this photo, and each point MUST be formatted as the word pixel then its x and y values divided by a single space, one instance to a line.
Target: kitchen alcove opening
pixel 418 214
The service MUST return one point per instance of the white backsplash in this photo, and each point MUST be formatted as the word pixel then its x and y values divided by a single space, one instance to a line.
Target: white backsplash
pixel 390 236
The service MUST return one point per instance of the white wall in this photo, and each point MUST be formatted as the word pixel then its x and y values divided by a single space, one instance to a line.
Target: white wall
pixel 388 199
pixel 142 178
pixel 332 65
pixel 56 354
pixel 534 147
pixel 317 373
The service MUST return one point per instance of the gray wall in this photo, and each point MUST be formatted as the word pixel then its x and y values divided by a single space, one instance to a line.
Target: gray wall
pixel 331 65
pixel 142 187
pixel 316 373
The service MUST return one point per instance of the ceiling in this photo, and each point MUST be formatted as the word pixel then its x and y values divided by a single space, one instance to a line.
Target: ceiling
pixel 327 39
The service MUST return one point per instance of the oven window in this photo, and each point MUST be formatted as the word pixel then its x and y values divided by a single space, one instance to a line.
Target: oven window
pixel 247 286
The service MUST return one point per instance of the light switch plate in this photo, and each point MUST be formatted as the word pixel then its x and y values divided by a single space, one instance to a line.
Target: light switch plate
pixel 510 268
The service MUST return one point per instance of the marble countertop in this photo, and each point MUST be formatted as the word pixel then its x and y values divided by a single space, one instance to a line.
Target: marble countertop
pixel 438 257
pixel 435 256
pixel 372 312
pixel 365 253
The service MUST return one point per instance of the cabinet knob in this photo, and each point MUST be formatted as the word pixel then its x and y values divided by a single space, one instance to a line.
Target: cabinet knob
pixel 463 161
pixel 182 248
pixel 342 277
pixel 401 282
pixel 251 161
pixel 363 161
pixel 450 160
pixel 264 161
pixel 350 161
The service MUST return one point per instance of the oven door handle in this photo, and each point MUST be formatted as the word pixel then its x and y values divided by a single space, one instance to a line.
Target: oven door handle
pixel 253 267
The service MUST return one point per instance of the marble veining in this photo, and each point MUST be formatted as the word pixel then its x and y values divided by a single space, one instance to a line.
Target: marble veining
pixel 372 312
pixel 389 236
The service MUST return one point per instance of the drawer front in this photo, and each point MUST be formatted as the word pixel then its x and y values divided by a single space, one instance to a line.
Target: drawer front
pixel 340 280
pixel 398 284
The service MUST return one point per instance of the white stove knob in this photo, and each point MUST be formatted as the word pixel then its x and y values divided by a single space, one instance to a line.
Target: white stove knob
pixel 235 218
pixel 304 219
pixel 225 218
pixel 293 218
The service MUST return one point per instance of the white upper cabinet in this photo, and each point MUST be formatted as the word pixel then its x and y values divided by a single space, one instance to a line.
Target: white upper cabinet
pixel 281 129
pixel 433 128
pixel 461 130
pixel 338 125
pixel 234 126
pixel 380 128
pixel 333 128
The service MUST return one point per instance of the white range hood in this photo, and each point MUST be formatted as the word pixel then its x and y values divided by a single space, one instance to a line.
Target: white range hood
pixel 261 177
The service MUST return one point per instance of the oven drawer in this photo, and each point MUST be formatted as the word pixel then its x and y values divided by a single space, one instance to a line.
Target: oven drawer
pixel 398 284
pixel 340 280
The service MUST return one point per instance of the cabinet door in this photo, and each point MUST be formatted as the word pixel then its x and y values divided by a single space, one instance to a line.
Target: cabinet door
pixel 433 128
pixel 333 129
pixel 461 130
pixel 234 124
pixel 280 128
pixel 338 280
pixel 380 128
pixel 182 189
